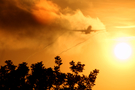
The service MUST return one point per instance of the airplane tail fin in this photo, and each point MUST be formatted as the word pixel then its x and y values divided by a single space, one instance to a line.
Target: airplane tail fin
pixel 89 27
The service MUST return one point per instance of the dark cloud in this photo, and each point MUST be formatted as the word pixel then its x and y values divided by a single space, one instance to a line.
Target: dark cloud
pixel 18 24
pixel 12 17
pixel 18 16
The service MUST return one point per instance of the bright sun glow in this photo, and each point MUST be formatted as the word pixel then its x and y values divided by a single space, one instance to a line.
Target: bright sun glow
pixel 122 51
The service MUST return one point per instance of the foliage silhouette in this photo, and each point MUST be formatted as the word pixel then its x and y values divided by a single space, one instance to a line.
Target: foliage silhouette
pixel 41 78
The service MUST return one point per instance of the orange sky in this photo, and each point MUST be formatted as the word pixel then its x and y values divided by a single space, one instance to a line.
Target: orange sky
pixel 36 30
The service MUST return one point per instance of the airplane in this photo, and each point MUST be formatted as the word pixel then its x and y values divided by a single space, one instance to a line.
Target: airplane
pixel 88 30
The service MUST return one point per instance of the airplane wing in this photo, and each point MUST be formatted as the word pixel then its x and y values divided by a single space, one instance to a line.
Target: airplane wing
pixel 86 31
pixel 95 30
pixel 80 30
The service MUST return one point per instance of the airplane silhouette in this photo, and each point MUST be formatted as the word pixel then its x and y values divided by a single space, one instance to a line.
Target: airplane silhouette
pixel 88 30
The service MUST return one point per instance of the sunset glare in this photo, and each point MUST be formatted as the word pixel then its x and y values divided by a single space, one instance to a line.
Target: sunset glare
pixel 123 51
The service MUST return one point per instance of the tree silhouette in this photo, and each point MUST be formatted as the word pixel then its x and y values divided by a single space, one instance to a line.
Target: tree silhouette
pixel 41 78
pixel 12 78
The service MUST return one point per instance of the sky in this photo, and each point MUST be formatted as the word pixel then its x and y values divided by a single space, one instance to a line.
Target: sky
pixel 38 30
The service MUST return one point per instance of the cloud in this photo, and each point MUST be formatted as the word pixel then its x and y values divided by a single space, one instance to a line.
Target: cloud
pixel 37 23
pixel 79 21
pixel 45 11
pixel 12 17
pixel 19 25
pixel 74 4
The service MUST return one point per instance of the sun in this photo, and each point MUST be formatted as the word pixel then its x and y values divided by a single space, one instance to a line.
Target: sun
pixel 123 51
